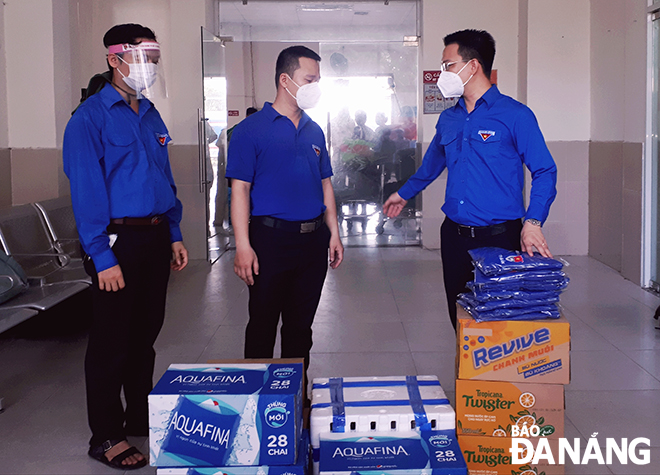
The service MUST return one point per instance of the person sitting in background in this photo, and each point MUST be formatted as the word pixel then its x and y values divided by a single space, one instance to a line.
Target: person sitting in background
pixel 361 131
pixel 381 121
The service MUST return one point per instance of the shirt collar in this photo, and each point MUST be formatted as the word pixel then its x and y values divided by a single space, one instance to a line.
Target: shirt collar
pixel 272 114
pixel 489 97
pixel 110 96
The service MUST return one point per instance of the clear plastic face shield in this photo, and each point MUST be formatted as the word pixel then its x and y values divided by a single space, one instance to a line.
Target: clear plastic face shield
pixel 145 71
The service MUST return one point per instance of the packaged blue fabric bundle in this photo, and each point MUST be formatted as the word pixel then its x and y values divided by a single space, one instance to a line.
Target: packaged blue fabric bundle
pixel 537 312
pixel 506 294
pixel 496 261
pixel 531 286
pixel 535 275
pixel 506 303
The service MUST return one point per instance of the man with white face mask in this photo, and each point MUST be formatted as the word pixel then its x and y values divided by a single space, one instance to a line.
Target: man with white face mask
pixel 283 210
pixel 483 141
pixel 128 215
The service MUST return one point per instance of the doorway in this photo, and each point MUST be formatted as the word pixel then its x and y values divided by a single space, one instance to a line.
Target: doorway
pixel 368 110
pixel 652 233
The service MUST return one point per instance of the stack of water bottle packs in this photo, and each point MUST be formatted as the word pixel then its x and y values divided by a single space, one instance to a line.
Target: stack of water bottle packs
pixel 509 285
pixel 397 425
pixel 230 418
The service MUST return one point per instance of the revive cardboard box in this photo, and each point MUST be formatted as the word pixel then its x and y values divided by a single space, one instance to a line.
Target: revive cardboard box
pixel 226 415
pixel 301 466
pixel 492 408
pixel 492 456
pixel 531 351
pixel 395 453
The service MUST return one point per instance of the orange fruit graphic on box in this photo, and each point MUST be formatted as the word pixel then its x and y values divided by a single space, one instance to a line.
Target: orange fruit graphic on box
pixel 492 408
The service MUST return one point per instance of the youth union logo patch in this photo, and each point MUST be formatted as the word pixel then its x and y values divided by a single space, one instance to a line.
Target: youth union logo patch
pixel 486 134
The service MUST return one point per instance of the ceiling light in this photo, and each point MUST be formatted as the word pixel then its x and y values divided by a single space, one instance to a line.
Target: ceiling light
pixel 325 7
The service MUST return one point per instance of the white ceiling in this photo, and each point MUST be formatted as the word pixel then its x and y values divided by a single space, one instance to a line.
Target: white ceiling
pixel 283 14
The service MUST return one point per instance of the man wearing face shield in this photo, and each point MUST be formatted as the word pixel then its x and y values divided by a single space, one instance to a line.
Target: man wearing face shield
pixel 128 215
pixel 283 210
pixel 483 141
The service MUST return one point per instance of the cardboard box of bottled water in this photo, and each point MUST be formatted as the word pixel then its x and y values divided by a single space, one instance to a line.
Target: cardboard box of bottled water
pixel 301 466
pixel 221 415
pixel 395 453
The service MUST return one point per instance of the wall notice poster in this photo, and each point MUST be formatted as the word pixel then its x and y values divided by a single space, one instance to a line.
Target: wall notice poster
pixel 434 101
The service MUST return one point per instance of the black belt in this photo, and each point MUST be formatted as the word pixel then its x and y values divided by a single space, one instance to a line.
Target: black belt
pixel 290 226
pixel 485 231
pixel 150 221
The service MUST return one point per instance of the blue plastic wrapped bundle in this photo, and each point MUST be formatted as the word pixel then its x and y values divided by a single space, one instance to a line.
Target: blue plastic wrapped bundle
pixel 539 280
pixel 496 261
pixel 536 312
pixel 506 303
pixel 526 286
pixel 509 285
pixel 508 294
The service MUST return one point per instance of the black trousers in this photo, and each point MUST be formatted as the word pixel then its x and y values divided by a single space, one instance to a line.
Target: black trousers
pixel 120 353
pixel 457 268
pixel 292 269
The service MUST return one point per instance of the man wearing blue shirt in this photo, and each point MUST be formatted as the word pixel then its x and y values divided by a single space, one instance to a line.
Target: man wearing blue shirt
pixel 283 210
pixel 128 215
pixel 483 141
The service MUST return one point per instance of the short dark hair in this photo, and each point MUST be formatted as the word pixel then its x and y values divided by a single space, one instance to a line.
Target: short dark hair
pixel 250 110
pixel 288 60
pixel 474 44
pixel 127 33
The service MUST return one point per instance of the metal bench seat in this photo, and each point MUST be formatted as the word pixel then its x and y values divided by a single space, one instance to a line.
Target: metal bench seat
pixel 24 237
pixel 10 317
pixel 43 297
pixel 57 216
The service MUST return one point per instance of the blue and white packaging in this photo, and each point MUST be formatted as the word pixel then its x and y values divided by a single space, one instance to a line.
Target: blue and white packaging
pixel 387 404
pixel 301 466
pixel 398 453
pixel 225 415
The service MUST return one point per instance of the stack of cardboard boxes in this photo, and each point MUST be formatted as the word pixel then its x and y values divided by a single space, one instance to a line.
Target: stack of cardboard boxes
pixel 231 417
pixel 510 383
pixel 399 425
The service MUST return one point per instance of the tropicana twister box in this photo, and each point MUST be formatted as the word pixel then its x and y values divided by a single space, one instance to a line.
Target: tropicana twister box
pixel 492 456
pixel 226 415
pixel 494 408
pixel 532 351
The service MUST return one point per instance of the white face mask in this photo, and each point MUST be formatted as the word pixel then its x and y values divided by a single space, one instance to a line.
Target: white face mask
pixel 308 95
pixel 450 83
pixel 141 75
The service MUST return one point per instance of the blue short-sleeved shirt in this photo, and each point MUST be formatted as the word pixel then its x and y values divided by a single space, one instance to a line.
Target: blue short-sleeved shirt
pixel 118 166
pixel 484 152
pixel 285 165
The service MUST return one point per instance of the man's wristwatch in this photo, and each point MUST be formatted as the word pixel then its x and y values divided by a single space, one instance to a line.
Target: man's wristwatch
pixel 534 222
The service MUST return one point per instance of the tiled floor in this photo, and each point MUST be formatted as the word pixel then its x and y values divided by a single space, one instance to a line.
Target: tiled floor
pixel 382 313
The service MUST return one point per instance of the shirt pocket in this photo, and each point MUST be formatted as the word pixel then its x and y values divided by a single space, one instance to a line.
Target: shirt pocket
pixel 156 140
pixel 120 149
pixel 486 142
pixel 449 142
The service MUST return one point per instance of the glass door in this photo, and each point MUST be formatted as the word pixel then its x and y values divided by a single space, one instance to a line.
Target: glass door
pixel 368 110
pixel 655 161
pixel 212 139
pixel 368 113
